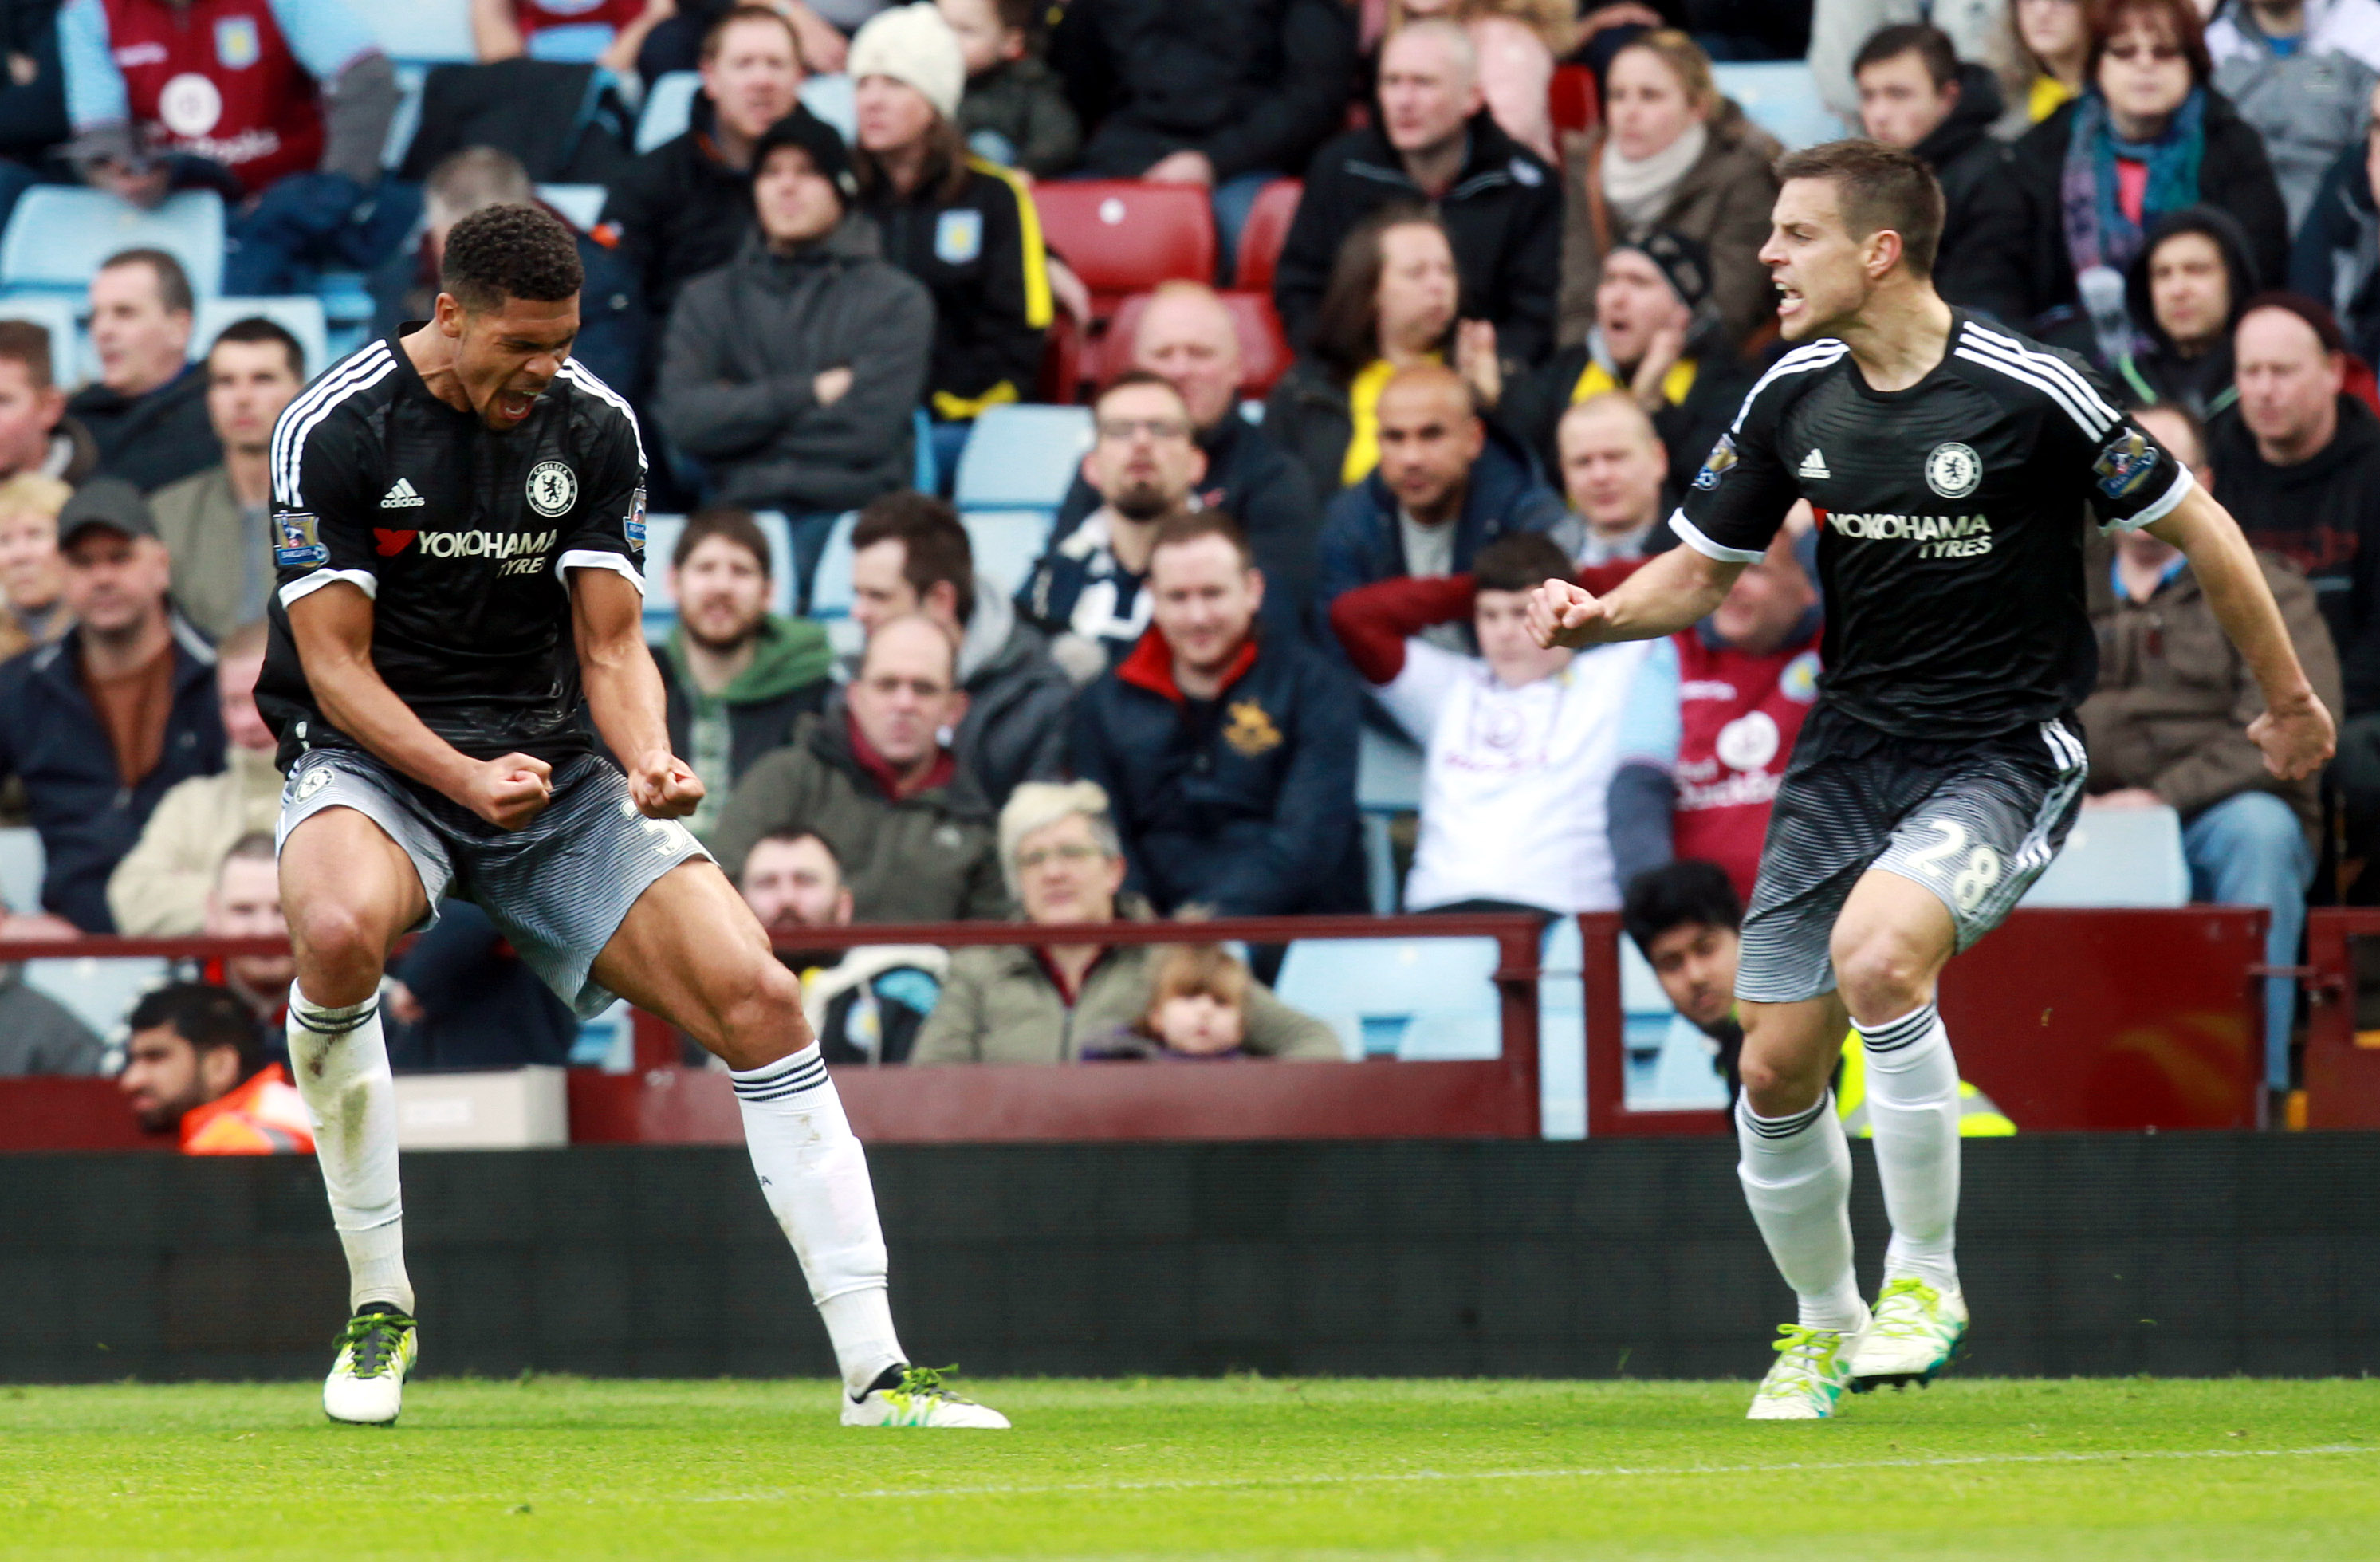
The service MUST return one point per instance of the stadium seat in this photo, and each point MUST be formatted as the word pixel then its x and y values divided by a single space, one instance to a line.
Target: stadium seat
pixel 2117 857
pixel 1388 782
pixel 411 80
pixel 830 97
pixel 423 31
pixel 99 993
pixel 925 475
pixel 59 236
pixel 21 866
pixel 581 205
pixel 1562 1033
pixel 577 43
pixel 1266 231
pixel 1006 544
pixel 1781 97
pixel 299 314
pixel 1405 998
pixel 1264 350
pixel 1023 456
pixel 669 108
pixel 1121 236
pixel 53 312
pixel 1571 99
pixel 831 585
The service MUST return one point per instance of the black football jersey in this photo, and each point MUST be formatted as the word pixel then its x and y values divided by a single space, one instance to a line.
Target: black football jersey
pixel 1950 521
pixel 461 537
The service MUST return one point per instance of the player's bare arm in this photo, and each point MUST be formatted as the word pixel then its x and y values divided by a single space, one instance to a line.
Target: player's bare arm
pixel 332 629
pixel 1677 589
pixel 623 692
pixel 2298 736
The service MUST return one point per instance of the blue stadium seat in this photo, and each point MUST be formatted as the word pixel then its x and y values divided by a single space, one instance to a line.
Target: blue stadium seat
pixel 59 235
pixel 298 314
pixel 423 31
pixel 577 43
pixel 581 205
pixel 1388 782
pixel 2117 857
pixel 1403 998
pixel 669 108
pixel 1006 544
pixel 1022 457
pixel 53 312
pixel 831 585
pixel 407 118
pixel 1781 97
pixel 925 474
pixel 660 539
pixel 830 97
pixel 1562 1033
pixel 21 866
pixel 99 993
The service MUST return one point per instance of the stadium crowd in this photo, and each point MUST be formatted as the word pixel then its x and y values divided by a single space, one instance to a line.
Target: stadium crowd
pixel 1518 300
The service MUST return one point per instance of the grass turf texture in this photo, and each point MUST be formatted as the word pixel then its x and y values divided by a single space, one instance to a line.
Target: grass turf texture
pixel 1241 1467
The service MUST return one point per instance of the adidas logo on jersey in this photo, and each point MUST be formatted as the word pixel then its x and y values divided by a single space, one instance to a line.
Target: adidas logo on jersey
pixel 1815 465
pixel 401 496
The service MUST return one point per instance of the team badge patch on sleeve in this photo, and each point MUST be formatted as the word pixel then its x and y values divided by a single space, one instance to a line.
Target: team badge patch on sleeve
pixel 1715 466
pixel 299 544
pixel 2124 464
pixel 634 525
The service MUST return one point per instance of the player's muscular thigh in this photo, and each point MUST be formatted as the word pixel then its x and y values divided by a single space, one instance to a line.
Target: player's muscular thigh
pixel 690 951
pixel 349 894
pixel 1889 945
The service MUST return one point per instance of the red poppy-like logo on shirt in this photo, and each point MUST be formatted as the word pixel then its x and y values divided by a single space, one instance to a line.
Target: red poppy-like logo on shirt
pixel 392 543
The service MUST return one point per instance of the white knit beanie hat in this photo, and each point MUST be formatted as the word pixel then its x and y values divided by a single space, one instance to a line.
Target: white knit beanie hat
pixel 912 43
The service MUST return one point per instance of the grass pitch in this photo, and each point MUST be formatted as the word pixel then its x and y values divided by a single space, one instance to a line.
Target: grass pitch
pixel 569 1468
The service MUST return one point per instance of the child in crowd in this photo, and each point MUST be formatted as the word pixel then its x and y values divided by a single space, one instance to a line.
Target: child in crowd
pixel 1015 112
pixel 1197 1010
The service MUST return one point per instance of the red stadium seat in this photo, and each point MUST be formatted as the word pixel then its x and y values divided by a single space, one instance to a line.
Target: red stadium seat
pixel 1264 350
pixel 1267 230
pixel 1571 98
pixel 1121 236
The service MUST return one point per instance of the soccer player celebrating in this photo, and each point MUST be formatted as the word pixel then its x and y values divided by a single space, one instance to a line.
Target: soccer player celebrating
pixel 1952 466
pixel 447 502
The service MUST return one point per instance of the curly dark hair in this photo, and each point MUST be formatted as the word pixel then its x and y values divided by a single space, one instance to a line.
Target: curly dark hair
pixel 513 251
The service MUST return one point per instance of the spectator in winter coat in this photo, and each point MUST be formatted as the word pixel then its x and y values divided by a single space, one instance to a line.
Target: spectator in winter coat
pixel 683 209
pixel 734 675
pixel 910 555
pixel 865 1005
pixel 1670 153
pixel 874 780
pixel 1015 112
pixel 791 372
pixel 1448 484
pixel 1435 142
pixel 964 227
pixel 148 411
pixel 1226 95
pixel 1914 94
pixel 2301 72
pixel 2186 289
pixel 216 524
pixel 2336 257
pixel 2083 186
pixel 1229 754
pixel 1519 740
pixel 1186 337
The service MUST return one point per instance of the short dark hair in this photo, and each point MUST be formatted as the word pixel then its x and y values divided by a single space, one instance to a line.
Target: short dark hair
pixel 1520 561
pixel 172 282
pixel 1929 43
pixel 206 1016
pixel 256 846
pixel 254 328
pixel 1674 895
pixel 934 547
pixel 1131 377
pixel 2104 18
pixel 1878 187
pixel 729 524
pixel 1346 330
pixel 1189 526
pixel 794 835
pixel 511 251
pixel 23 342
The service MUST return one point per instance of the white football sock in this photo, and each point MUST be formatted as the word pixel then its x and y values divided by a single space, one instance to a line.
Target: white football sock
pixel 1797 1177
pixel 341 1061
pixel 1912 1108
pixel 814 1175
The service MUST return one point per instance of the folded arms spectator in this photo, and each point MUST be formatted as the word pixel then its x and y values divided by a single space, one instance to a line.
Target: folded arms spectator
pixel 1064 865
pixel 790 373
pixel 864 1005
pixel 215 523
pixel 195 1068
pixel 148 413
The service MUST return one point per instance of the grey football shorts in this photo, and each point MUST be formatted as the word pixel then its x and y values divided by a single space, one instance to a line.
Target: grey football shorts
pixel 1976 824
pixel 557 888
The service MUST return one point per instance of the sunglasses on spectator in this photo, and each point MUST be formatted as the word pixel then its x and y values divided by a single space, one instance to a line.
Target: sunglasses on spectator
pixel 1027 861
pixel 1155 428
pixel 2160 53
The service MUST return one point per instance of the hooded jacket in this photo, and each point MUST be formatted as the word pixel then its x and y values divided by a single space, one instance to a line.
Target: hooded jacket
pixel 2021 267
pixel 2309 103
pixel 1014 728
pixel 789 678
pixel 2322 516
pixel 926 858
pixel 52 740
pixel 744 344
pixel 1722 201
pixel 1503 215
pixel 2175 695
pixel 1244 803
pixel 1965 157
pixel 1362 541
pixel 2203 383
